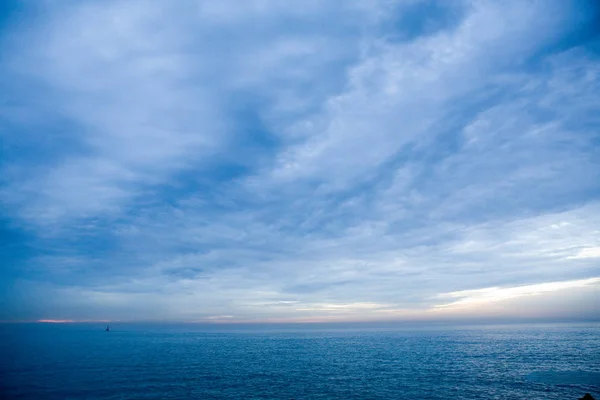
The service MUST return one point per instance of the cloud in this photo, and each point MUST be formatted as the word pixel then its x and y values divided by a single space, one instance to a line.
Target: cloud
pixel 401 93
pixel 207 162
pixel 587 252
pixel 144 99
pixel 479 297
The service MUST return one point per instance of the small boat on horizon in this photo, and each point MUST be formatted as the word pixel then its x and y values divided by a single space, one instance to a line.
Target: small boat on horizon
pixel 107 328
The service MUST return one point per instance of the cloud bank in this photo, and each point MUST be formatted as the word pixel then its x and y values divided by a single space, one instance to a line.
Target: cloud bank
pixel 313 161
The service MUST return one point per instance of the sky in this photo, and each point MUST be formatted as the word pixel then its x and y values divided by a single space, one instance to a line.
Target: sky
pixel 299 161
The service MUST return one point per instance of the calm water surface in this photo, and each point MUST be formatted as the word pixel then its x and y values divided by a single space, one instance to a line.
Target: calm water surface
pixel 135 362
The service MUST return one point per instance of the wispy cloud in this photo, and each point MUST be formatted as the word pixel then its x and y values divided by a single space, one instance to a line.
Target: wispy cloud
pixel 235 162
pixel 479 297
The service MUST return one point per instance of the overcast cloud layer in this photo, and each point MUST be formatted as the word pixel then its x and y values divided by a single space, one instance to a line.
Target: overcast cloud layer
pixel 299 160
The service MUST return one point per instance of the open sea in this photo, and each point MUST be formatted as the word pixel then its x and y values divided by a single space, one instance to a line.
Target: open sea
pixel 81 361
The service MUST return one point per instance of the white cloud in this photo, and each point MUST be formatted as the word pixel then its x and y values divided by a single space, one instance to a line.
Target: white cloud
pixel 401 93
pixel 587 252
pixel 479 297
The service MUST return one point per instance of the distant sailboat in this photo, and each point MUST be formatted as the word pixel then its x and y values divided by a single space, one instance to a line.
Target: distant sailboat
pixel 107 328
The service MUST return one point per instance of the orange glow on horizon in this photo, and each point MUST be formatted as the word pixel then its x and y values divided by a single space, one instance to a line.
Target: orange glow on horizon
pixel 55 321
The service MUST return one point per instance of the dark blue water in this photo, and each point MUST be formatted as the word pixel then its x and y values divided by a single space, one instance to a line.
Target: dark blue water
pixel 133 362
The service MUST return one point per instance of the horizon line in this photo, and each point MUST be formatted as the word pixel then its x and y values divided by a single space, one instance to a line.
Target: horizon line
pixel 458 321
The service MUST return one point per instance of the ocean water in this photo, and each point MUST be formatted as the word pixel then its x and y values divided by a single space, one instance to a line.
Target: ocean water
pixel 81 361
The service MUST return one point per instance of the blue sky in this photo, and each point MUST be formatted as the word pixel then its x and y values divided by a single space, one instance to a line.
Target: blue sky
pixel 299 161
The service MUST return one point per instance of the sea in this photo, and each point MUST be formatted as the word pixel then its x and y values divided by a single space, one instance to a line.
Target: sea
pixel 149 361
